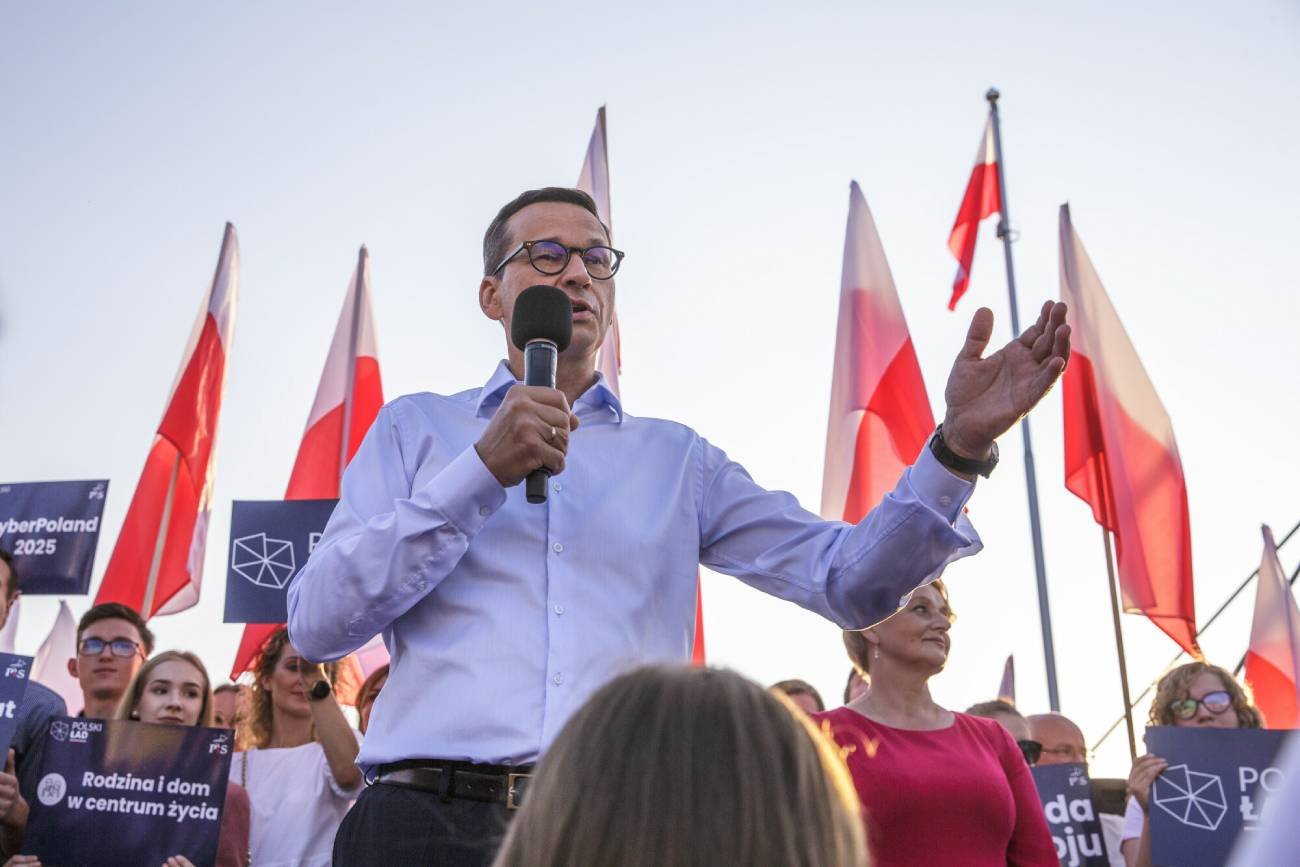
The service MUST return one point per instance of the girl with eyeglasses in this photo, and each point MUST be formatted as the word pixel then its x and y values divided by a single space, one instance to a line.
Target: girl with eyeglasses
pixel 1193 695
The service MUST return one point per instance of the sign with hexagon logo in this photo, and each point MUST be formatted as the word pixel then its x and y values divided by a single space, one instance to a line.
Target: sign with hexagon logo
pixel 270 541
pixel 1217 785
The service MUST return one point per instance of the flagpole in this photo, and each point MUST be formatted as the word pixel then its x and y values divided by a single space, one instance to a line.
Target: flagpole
pixel 352 364
pixel 1119 643
pixel 1199 631
pixel 1031 478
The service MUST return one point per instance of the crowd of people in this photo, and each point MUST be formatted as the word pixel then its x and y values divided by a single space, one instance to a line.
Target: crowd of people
pixel 726 772
pixel 537 710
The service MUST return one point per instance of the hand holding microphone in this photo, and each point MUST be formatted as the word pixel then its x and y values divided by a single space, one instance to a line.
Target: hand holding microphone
pixel 529 434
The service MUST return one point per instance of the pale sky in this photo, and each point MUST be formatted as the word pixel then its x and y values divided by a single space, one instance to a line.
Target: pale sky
pixel 135 130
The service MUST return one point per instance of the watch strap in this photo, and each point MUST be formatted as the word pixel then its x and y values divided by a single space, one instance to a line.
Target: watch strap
pixel 956 462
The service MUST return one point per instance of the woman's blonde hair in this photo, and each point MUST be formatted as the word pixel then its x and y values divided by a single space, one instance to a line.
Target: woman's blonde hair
pixel 257 725
pixel 1177 684
pixel 131 698
pixel 859 649
pixel 677 767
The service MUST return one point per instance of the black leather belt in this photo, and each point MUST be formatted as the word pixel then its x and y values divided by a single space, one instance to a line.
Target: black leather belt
pixel 493 784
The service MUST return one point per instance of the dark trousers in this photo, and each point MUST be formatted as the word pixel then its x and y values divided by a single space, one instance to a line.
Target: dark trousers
pixel 389 825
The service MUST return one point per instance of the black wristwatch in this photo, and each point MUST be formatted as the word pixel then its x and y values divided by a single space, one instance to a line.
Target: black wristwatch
pixel 320 690
pixel 954 461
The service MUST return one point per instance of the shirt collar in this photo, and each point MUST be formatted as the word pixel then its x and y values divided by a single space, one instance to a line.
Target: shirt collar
pixel 595 398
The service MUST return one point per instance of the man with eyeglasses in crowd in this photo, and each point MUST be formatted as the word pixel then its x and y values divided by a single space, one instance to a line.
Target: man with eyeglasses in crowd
pixel 40 704
pixel 503 616
pixel 112 643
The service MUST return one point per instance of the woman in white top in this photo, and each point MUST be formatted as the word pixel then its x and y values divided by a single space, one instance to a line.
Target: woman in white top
pixel 1196 694
pixel 299 759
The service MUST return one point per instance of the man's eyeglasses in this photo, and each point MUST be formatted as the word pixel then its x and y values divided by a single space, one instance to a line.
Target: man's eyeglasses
pixel 1215 702
pixel 123 647
pixel 1067 753
pixel 552 257
pixel 1032 750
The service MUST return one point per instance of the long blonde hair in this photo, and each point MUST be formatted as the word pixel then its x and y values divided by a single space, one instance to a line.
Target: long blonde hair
pixel 258 725
pixel 678 767
pixel 131 698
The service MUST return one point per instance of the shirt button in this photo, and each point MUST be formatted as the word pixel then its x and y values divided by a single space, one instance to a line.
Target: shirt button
pixel 484 511
pixel 558 679
pixel 557 547
pixel 558 487
pixel 559 609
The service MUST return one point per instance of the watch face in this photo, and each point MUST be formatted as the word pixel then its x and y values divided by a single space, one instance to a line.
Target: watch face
pixel 320 689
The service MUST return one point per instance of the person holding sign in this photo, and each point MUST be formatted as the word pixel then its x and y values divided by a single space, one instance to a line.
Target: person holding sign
pixel 936 787
pixel 299 759
pixel 1197 694
pixel 40 704
pixel 173 688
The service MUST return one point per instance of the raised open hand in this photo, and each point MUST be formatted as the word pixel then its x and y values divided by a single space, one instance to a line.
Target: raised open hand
pixel 986 396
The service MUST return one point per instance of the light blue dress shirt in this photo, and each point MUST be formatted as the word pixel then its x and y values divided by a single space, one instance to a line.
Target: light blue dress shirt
pixel 502 617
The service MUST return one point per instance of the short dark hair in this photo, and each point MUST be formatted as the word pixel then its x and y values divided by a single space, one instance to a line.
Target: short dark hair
pixel 795 686
pixel 988 708
pixel 11 589
pixel 497 237
pixel 117 611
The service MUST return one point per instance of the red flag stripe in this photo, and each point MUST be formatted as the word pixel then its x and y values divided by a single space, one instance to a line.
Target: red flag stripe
pixel 982 199
pixel 1274 692
pixel 1273 660
pixel 157 563
pixel 316 471
pixel 1120 453
pixel 880 415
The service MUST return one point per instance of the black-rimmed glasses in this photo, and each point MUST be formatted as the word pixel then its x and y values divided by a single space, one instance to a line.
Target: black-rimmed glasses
pixel 1032 751
pixel 552 257
pixel 1215 702
pixel 123 647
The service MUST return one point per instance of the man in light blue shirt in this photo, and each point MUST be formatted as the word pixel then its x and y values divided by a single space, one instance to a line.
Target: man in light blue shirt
pixel 503 616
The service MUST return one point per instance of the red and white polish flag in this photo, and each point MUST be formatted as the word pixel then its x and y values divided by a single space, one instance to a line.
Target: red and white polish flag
pixel 1120 453
pixel 880 415
pixel 348 399
pixel 157 563
pixel 982 199
pixel 1007 689
pixel 594 181
pixel 1273 660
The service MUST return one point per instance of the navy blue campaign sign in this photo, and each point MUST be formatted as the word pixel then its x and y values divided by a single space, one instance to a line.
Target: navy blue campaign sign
pixel 1216 786
pixel 52 528
pixel 1066 794
pixel 116 793
pixel 270 541
pixel 14 672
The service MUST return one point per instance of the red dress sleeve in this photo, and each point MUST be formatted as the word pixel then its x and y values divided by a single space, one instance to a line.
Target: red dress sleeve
pixel 1031 842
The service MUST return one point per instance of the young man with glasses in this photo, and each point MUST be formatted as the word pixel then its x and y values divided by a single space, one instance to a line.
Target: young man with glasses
pixel 40 704
pixel 112 643
pixel 503 616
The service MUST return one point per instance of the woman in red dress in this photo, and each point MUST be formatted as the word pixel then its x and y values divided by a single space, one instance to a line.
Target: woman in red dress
pixel 936 787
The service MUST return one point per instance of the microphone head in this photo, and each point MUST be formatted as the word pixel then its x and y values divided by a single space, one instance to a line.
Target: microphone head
pixel 542 313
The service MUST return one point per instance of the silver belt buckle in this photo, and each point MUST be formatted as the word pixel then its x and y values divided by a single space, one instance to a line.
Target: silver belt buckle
pixel 511 780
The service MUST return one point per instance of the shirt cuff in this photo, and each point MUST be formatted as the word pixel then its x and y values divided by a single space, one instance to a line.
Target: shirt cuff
pixel 466 492
pixel 938 487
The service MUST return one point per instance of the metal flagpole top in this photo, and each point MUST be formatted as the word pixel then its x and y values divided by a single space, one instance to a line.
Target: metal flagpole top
pixel 992 95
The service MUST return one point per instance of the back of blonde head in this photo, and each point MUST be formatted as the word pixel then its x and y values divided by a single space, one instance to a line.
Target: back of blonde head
pixel 681 767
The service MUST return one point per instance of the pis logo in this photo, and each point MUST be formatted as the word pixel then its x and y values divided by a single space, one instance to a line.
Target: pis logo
pixel 220 745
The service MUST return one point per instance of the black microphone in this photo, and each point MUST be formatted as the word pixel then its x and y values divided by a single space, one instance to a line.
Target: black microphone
pixel 541 328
